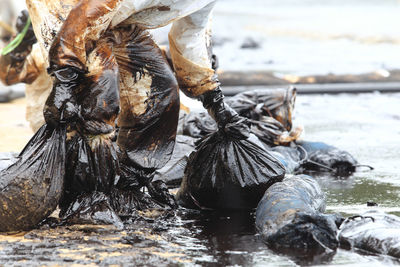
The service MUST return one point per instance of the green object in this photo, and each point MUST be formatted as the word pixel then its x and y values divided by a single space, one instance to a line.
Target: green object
pixel 17 40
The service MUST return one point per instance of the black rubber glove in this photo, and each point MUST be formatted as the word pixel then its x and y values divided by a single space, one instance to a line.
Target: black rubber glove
pixel 227 119
pixel 61 105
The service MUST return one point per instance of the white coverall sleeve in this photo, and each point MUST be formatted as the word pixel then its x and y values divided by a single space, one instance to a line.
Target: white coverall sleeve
pixel 152 14
pixel 189 36
pixel 190 43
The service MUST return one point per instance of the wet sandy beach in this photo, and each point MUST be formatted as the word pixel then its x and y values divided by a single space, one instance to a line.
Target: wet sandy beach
pixel 14 129
pixel 351 36
pixel 367 125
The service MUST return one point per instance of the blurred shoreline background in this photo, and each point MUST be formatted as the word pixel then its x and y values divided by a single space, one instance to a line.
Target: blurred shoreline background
pixel 308 37
pixel 289 39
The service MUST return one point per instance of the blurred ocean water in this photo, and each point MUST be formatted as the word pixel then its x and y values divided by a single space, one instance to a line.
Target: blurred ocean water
pixel 305 37
pixel 308 37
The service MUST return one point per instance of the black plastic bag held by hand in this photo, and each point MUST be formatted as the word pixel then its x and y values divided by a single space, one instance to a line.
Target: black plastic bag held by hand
pixel 31 188
pixel 61 105
pixel 227 119
pixel 92 165
pixel 227 171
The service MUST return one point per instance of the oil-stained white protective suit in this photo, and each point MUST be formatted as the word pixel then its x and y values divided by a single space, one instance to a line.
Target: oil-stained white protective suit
pixel 189 40
pixel 86 21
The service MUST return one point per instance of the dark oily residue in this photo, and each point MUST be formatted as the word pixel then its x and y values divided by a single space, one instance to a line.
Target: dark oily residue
pixel 212 239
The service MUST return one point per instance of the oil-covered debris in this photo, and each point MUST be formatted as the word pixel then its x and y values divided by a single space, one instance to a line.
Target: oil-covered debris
pixel 135 88
pixel 89 169
pixel 290 218
pixel 89 102
pixel 14 65
pixel 373 231
pixel 268 111
pixel 323 157
pixel 22 43
pixel 23 21
pixel 91 208
pixel 96 188
pixel 32 186
pixel 228 171
pixel 263 109
pixel 274 103
pixel 158 190
pixel 290 157
pixel 149 106
pixel 172 173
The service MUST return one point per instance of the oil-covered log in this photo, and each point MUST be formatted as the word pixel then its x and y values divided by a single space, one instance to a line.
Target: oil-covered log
pixel 290 218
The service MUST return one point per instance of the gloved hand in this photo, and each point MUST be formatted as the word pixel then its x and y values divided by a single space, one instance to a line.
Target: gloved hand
pixel 29 39
pixel 61 105
pixel 227 119
pixel 17 50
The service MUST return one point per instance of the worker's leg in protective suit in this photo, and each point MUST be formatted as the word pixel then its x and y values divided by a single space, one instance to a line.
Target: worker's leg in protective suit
pixel 191 52
pixel 190 48
pixel 149 106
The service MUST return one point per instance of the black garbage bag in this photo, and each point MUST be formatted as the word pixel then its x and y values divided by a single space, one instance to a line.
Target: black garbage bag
pixel 198 124
pixel 228 172
pixel 172 173
pixel 290 157
pixel 290 218
pixel 270 131
pixel 373 231
pixel 327 158
pixel 92 208
pixel 269 112
pixel 275 103
pixel 93 193
pixel 31 188
pixel 92 165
